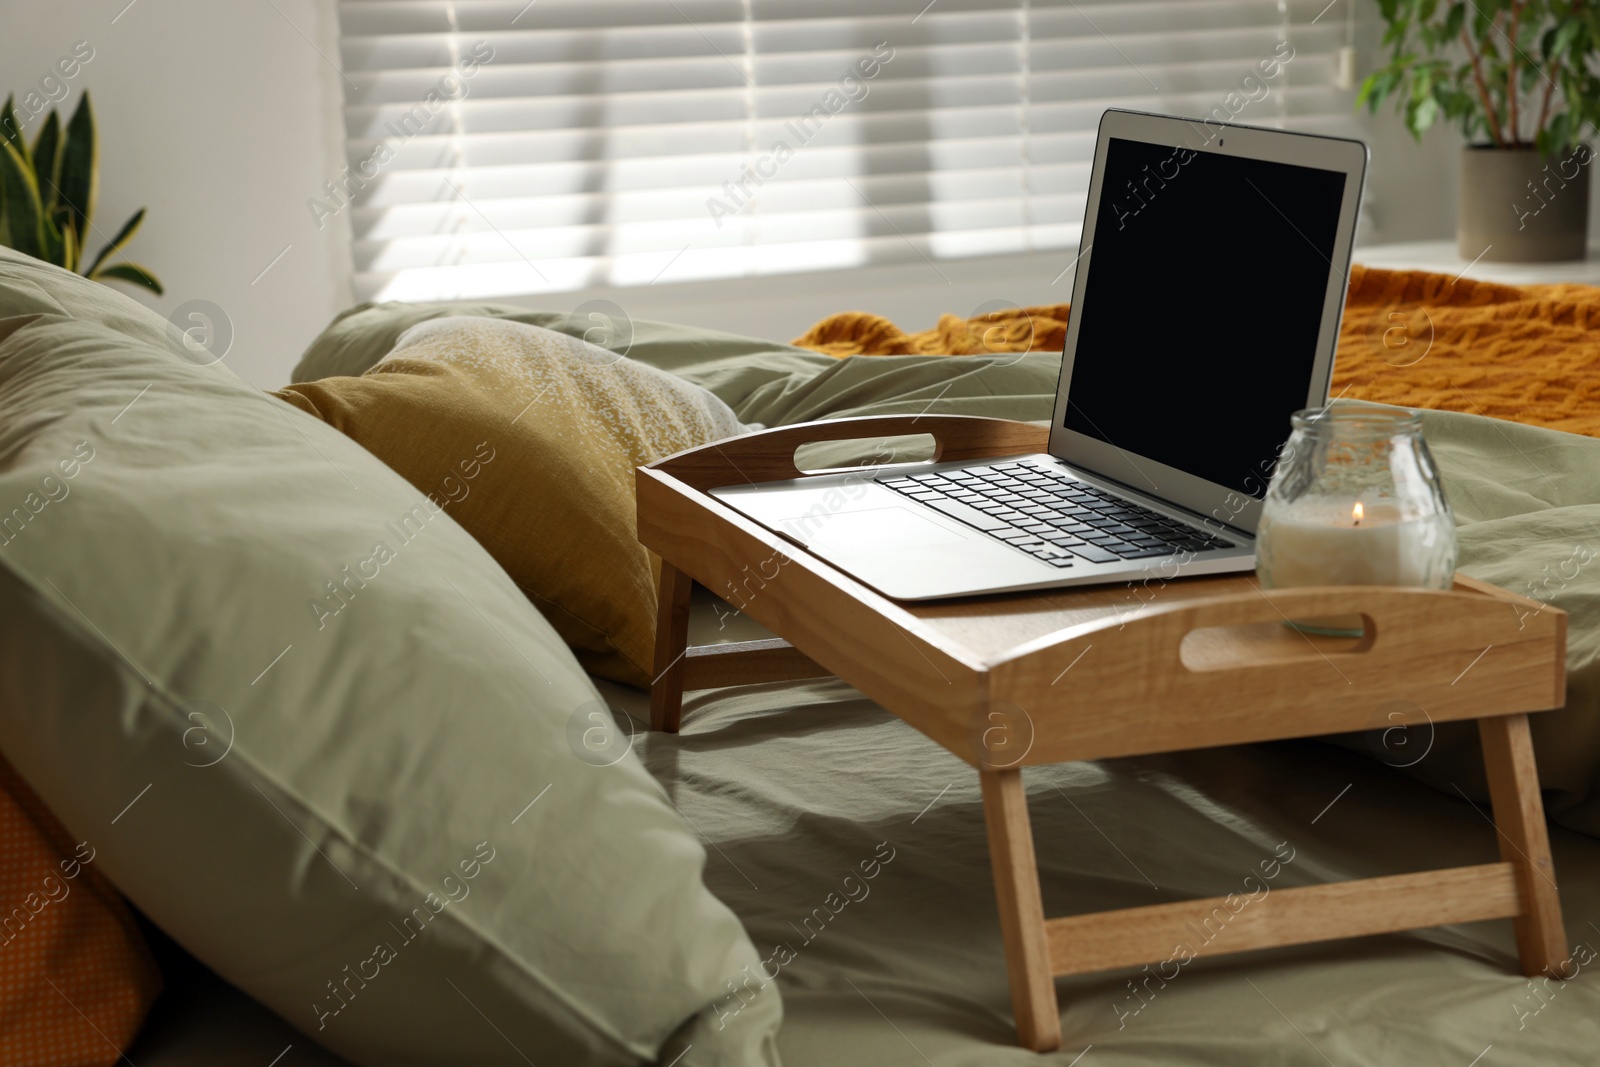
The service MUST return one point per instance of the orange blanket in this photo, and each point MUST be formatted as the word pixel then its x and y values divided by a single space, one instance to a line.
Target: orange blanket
pixel 1529 354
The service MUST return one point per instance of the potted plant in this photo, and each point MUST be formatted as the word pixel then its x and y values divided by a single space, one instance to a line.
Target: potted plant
pixel 47 197
pixel 1517 75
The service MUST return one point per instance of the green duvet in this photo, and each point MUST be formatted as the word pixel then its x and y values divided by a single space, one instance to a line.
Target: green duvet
pixel 853 848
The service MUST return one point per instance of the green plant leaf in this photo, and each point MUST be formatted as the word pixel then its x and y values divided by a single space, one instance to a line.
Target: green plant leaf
pixel 20 191
pixel 1479 22
pixel 123 236
pixel 129 272
pixel 1556 137
pixel 1590 17
pixel 1569 40
pixel 79 168
pixel 10 130
pixel 1420 115
pixel 1456 103
pixel 46 157
pixel 53 248
pixel 1369 95
pixel 1378 85
pixel 71 246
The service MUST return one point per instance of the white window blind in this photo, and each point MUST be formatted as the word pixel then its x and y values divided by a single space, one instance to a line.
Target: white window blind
pixel 579 143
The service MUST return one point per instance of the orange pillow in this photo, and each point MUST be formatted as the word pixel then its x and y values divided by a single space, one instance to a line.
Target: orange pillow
pixel 76 977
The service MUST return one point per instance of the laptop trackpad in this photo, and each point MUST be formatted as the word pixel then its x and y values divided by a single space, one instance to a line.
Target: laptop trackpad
pixel 895 528
pixel 903 553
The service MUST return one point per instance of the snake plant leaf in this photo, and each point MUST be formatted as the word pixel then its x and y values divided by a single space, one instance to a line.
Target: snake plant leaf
pixel 46 159
pixel 51 249
pixel 129 272
pixel 71 246
pixel 123 236
pixel 79 171
pixel 10 130
pixel 20 193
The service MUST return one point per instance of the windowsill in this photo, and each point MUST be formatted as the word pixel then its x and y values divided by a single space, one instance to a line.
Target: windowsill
pixel 1441 257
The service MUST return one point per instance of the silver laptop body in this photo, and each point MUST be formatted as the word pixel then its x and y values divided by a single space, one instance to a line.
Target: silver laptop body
pixel 1205 310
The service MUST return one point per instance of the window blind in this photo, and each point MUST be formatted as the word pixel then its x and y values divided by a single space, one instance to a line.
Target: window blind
pixel 502 147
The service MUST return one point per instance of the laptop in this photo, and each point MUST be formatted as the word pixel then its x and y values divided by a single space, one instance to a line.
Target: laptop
pixel 1205 311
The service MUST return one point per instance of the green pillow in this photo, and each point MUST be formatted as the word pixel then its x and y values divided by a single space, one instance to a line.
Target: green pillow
pixel 360 336
pixel 317 735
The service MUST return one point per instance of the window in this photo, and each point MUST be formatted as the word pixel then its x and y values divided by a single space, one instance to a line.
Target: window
pixel 503 147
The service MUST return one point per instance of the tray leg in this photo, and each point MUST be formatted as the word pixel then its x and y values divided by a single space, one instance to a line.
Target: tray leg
pixel 1016 887
pixel 672 641
pixel 1524 841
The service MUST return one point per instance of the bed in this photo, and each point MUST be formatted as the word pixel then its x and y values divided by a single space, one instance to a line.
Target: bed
pixel 791 786
pixel 794 785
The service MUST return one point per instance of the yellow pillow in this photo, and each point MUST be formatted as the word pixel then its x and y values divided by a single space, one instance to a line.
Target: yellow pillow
pixel 528 438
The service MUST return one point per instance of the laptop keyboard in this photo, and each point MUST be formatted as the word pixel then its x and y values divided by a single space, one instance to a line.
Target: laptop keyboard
pixel 1051 515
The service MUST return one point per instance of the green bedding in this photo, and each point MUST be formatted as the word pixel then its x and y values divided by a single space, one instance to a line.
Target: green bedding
pixel 796 786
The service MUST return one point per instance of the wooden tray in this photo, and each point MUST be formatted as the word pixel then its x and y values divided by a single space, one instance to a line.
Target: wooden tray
pixel 1157 665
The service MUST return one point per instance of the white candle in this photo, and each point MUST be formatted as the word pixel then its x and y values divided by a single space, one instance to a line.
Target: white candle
pixel 1344 542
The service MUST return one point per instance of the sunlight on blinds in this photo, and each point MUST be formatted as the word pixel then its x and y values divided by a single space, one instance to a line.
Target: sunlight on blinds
pixel 500 147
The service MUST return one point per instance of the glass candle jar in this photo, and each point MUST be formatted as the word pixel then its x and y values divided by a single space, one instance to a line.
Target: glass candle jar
pixel 1355 500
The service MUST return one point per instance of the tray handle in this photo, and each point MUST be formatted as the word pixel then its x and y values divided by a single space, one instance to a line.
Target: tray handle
pixel 1398 623
pixel 1393 620
pixel 768 455
pixel 1104 690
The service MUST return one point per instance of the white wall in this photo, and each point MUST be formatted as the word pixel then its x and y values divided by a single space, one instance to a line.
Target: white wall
pixel 221 119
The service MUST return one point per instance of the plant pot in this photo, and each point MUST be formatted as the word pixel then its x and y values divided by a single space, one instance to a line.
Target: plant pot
pixel 1518 206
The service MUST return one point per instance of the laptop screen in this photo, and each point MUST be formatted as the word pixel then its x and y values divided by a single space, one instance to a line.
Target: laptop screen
pixel 1199 319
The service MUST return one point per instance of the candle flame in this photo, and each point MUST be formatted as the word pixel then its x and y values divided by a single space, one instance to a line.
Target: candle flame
pixel 1357 513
